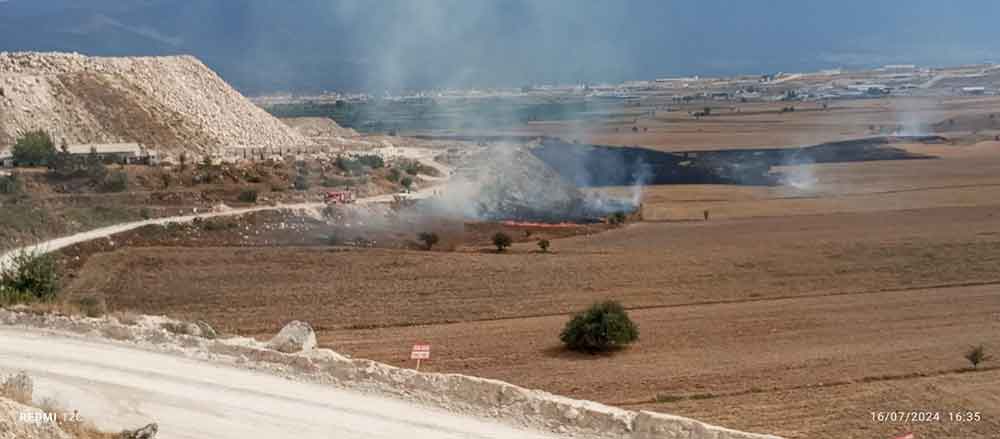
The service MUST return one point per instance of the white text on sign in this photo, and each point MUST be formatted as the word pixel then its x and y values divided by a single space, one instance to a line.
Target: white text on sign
pixel 421 352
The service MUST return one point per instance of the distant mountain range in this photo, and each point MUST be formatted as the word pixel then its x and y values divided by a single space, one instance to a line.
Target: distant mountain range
pixel 352 45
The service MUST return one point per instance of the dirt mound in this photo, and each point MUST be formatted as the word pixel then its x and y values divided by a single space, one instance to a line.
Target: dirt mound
pixel 174 104
pixel 320 127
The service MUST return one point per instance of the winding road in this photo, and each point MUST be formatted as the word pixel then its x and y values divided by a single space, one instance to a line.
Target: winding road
pixel 424 156
pixel 116 386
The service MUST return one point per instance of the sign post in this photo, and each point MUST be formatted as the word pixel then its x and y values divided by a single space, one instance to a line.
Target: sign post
pixel 420 352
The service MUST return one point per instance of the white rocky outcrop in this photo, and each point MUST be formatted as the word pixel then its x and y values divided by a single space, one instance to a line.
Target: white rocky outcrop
pixel 172 103
pixel 295 337
pixel 147 432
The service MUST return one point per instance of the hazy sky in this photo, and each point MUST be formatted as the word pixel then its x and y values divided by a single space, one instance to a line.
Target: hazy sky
pixel 261 45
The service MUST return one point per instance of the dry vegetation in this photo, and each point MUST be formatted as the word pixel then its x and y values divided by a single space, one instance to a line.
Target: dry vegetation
pixel 795 312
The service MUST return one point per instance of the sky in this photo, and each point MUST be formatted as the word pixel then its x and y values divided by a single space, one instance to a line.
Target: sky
pixel 369 45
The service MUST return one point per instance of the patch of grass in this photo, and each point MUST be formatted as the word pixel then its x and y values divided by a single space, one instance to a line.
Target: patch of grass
pixel 93 217
pixel 661 398
pixel 17 387
pixel 25 219
pixel 334 181
pixel 11 184
pixel 115 182
pixel 217 225
pixel 92 306
pixel 248 196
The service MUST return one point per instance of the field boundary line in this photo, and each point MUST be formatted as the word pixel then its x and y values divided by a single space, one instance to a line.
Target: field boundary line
pixel 676 305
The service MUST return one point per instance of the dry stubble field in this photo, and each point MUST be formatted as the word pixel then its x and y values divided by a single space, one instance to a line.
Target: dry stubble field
pixel 791 312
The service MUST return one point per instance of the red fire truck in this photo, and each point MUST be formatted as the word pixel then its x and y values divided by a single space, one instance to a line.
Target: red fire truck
pixel 339 197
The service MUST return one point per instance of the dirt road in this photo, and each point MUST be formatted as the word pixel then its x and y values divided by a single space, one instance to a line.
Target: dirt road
pixel 420 154
pixel 66 241
pixel 116 386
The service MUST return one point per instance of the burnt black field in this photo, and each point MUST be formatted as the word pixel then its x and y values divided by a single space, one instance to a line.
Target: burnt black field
pixel 597 165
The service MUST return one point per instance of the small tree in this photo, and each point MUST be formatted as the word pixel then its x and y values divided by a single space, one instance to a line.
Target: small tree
pixel 11 184
pixel 29 274
pixel 34 148
pixel 543 245
pixel 301 182
pixel 429 239
pixel 115 182
pixel 248 196
pixel 602 327
pixel 502 240
pixel 617 218
pixel 976 355
pixel 394 175
pixel 406 182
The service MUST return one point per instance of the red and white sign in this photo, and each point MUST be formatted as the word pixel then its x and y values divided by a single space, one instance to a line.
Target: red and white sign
pixel 421 352
pixel 905 436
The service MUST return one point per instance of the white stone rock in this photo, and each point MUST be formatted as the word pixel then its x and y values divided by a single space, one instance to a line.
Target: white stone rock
pixel 295 337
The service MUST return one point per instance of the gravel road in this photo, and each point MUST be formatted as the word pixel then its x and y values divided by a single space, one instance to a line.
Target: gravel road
pixel 117 386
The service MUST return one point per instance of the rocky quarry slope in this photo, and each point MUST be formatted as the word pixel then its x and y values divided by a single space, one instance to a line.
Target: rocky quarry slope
pixel 172 103
pixel 319 127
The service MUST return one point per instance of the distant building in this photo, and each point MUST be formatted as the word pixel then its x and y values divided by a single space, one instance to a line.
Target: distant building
pixel 123 153
pixel 6 159
pixel 898 68
pixel 974 90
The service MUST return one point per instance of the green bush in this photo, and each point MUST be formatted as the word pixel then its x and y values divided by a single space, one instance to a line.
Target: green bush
pixel 115 182
pixel 543 245
pixel 217 225
pixel 301 182
pixel 30 275
pixel 407 182
pixel 11 184
pixel 248 196
pixel 92 307
pixel 502 240
pixel 976 355
pixel 34 148
pixel 371 160
pixel 602 327
pixel 394 175
pixel 429 239
pixel 617 218
pixel 359 164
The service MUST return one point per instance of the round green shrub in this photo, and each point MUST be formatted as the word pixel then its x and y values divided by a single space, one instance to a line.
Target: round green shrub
pixel 602 327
